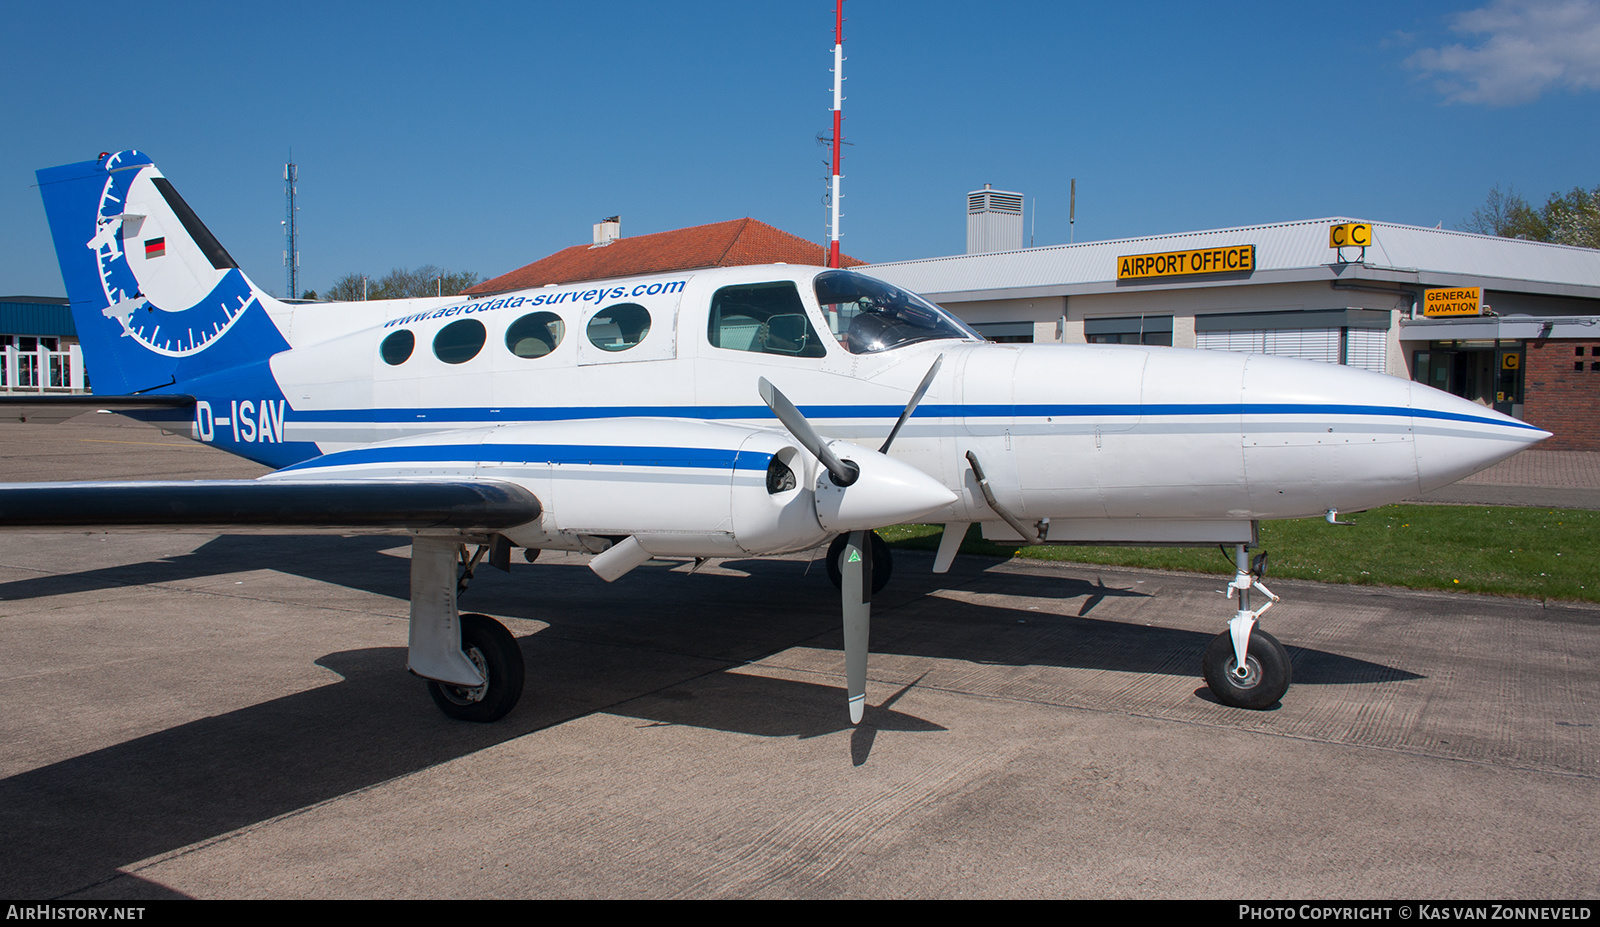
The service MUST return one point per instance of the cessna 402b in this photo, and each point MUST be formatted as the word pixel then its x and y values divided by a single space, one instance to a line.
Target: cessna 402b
pixel 633 418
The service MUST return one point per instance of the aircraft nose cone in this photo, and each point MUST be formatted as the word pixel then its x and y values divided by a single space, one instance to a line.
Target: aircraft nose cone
pixel 1456 438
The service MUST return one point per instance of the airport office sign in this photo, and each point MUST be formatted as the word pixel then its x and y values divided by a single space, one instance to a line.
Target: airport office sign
pixel 1233 259
pixel 1461 300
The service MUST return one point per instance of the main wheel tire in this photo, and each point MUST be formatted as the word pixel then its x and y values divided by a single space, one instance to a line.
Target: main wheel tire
pixel 1266 677
pixel 494 651
pixel 882 561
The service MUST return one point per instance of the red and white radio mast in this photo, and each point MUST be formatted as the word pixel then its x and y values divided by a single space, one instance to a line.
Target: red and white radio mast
pixel 838 125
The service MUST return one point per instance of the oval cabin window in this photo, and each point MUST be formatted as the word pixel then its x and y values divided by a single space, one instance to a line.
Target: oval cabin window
pixel 535 334
pixel 619 327
pixel 460 341
pixel 396 349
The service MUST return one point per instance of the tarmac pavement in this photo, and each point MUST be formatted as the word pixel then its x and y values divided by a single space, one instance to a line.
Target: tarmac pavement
pixel 228 716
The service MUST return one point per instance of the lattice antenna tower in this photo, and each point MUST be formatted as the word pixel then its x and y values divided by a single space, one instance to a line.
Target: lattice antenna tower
pixel 838 127
pixel 291 231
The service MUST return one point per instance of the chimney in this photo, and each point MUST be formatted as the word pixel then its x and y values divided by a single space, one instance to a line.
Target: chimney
pixel 607 231
pixel 994 220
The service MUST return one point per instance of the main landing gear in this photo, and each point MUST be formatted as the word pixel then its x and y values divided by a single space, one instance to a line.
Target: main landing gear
pixel 1245 666
pixel 495 654
pixel 471 662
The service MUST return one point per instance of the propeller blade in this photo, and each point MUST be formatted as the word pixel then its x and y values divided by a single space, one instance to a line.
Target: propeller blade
pixel 922 390
pixel 889 492
pixel 855 593
pixel 843 471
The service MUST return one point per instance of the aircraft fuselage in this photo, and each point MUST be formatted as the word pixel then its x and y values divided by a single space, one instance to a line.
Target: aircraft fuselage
pixel 1102 443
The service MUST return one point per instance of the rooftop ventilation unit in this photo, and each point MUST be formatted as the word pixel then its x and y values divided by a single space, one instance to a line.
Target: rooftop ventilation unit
pixel 994 220
pixel 607 231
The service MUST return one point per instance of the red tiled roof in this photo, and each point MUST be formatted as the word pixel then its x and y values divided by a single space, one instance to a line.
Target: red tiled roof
pixel 735 243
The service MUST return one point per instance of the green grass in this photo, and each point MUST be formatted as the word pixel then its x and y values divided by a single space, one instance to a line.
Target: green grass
pixel 1530 552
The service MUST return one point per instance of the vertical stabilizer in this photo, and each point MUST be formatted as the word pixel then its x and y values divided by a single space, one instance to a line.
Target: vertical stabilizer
pixel 157 301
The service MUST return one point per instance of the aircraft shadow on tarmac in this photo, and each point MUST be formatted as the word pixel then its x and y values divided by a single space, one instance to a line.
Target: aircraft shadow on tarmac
pixel 353 562
pixel 73 824
pixel 743 610
pixel 653 647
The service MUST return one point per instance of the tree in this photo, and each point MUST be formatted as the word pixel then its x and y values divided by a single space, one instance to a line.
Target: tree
pixel 401 283
pixel 346 289
pixel 1568 219
pixel 1574 219
pixel 1507 215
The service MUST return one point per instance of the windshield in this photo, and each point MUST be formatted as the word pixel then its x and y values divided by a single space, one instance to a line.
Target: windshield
pixel 868 316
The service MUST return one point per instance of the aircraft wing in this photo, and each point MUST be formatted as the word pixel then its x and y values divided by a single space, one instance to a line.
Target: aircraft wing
pixel 51 410
pixel 331 505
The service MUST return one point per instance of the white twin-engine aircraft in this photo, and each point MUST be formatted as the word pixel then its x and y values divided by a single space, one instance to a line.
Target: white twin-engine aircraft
pixel 634 418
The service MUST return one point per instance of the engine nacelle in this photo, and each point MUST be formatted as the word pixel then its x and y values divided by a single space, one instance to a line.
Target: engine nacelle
pixel 680 488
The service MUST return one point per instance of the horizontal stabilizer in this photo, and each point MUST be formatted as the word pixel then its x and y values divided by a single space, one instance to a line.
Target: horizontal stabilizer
pixel 51 410
pixel 410 505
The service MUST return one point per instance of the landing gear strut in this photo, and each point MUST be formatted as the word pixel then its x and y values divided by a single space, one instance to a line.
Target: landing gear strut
pixel 472 663
pixel 1245 666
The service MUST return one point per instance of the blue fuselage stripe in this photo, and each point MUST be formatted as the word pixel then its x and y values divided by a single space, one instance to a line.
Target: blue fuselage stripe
pixel 927 411
pixel 596 455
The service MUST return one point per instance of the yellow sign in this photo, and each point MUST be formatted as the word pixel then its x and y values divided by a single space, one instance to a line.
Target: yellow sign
pixel 1510 361
pixel 1350 235
pixel 1464 300
pixel 1233 259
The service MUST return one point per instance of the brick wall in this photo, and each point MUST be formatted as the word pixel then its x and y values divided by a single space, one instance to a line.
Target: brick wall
pixel 1561 392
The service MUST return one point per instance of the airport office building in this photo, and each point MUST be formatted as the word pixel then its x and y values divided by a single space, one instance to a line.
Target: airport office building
pixel 1517 324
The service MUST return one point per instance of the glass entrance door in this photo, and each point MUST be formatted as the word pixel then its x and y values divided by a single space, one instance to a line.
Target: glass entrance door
pixel 1489 375
pixel 1508 380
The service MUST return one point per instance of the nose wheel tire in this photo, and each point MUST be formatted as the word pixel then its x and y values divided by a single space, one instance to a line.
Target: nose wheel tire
pixel 1263 680
pixel 494 651
pixel 882 561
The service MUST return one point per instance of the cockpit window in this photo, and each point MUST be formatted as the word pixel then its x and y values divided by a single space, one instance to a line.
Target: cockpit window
pixel 868 316
pixel 765 318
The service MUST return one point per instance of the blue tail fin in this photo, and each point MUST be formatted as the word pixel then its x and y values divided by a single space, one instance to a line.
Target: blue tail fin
pixel 157 300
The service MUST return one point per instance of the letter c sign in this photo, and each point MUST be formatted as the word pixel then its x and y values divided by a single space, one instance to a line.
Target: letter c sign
pixel 1350 235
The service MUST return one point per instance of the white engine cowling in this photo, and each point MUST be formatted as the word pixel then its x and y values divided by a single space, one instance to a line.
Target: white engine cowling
pixel 675 487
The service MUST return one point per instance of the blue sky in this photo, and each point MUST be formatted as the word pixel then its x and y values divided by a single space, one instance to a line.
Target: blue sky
pixel 481 136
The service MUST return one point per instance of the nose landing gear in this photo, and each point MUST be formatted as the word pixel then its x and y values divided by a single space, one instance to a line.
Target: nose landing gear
pixel 1244 666
pixel 1262 681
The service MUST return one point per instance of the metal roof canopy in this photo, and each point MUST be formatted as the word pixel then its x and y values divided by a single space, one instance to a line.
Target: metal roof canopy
pixel 1513 328
pixel 44 316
